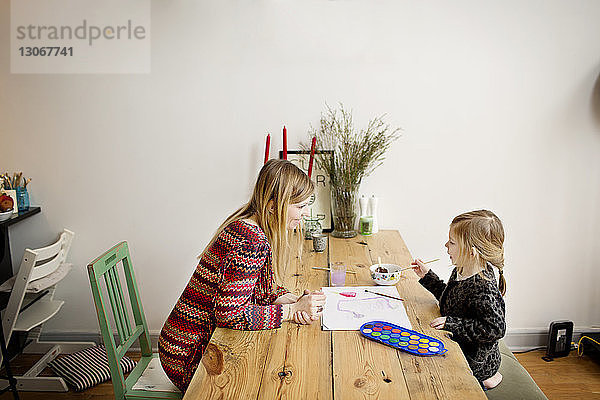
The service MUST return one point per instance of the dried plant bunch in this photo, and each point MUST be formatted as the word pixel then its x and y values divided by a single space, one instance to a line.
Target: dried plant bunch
pixel 356 153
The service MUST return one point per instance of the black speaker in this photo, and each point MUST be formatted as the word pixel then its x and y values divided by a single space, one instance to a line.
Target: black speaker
pixel 560 336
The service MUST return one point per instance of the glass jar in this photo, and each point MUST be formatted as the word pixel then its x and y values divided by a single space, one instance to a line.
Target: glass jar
pixel 22 198
pixel 365 226
pixel 312 227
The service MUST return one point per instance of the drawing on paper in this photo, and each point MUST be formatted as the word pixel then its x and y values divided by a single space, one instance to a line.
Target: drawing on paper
pixel 349 313
pixel 360 307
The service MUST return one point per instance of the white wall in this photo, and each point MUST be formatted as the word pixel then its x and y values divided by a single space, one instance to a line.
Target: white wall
pixel 499 104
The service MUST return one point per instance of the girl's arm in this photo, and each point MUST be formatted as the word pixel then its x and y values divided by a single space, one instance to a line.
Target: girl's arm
pixel 433 283
pixel 233 306
pixel 487 324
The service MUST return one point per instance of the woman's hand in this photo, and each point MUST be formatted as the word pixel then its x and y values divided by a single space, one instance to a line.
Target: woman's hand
pixel 438 323
pixel 302 317
pixel 420 269
pixel 309 303
pixel 287 298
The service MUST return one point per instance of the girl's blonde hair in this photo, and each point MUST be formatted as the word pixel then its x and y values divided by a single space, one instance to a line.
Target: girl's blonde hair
pixel 480 233
pixel 279 184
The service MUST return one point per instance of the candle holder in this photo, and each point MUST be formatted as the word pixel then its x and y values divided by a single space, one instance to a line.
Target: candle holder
pixel 312 227
pixel 366 225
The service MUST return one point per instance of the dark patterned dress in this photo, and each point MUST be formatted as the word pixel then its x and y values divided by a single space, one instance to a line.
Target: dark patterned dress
pixel 232 287
pixel 474 311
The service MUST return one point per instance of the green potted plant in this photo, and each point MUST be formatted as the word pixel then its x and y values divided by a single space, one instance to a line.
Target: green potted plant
pixel 356 154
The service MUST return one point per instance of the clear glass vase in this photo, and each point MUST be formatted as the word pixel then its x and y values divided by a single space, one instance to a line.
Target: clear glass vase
pixel 343 208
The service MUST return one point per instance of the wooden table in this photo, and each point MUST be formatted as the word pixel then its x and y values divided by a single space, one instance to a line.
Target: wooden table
pixel 304 362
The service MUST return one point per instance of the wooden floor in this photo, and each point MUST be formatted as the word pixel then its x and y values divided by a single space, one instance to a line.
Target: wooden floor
pixel 567 378
pixel 100 392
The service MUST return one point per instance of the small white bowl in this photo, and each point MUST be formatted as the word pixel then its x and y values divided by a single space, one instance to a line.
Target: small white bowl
pixel 385 278
pixel 6 215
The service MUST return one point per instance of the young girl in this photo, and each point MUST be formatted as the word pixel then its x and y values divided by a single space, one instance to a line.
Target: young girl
pixel 233 285
pixel 471 304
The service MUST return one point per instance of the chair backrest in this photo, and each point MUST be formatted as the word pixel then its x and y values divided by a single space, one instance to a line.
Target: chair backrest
pixel 49 258
pixel 35 264
pixel 104 269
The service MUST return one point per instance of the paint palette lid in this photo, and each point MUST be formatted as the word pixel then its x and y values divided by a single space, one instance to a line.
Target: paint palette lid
pixel 402 339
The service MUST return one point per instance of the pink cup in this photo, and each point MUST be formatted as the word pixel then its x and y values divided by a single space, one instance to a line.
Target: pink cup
pixel 337 274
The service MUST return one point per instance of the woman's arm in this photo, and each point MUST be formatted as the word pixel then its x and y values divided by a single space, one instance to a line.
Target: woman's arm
pixel 233 306
pixel 280 291
pixel 287 298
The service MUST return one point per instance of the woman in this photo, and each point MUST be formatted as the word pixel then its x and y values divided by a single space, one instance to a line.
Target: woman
pixel 234 285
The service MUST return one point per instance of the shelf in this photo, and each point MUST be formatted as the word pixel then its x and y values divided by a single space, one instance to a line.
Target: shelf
pixel 21 215
pixel 38 313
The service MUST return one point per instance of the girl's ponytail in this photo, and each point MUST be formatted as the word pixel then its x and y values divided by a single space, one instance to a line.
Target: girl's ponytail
pixel 501 282
pixel 496 258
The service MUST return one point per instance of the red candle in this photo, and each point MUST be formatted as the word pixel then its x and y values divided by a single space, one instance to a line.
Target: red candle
pixel 267 146
pixel 284 143
pixel 312 156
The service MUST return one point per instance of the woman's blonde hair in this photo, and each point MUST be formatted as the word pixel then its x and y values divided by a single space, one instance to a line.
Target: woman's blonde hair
pixel 480 238
pixel 279 184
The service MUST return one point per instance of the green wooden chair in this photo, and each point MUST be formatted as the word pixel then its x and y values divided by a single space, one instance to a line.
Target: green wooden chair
pixel 130 330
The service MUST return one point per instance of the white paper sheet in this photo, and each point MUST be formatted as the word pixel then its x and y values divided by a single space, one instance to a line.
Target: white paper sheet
pixel 342 313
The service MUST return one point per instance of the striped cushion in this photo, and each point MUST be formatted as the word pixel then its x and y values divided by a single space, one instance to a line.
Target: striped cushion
pixel 87 368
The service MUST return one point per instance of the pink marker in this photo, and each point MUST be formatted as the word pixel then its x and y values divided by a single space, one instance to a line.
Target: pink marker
pixel 348 294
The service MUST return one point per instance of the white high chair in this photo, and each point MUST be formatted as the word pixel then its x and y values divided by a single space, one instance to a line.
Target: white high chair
pixel 32 303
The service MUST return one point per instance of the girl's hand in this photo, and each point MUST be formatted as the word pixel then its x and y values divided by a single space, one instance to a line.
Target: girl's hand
pixel 420 269
pixel 438 323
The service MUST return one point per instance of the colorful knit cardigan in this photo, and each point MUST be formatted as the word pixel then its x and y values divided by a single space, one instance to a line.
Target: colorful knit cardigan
pixel 232 287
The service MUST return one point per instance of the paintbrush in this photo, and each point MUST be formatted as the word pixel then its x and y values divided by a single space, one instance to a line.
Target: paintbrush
pixel 415 266
pixel 385 295
pixel 327 269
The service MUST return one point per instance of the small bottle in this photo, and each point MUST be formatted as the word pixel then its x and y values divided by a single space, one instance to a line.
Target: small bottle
pixel 363 203
pixel 363 206
pixel 373 201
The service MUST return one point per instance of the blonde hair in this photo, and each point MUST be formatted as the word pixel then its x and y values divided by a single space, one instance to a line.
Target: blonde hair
pixel 480 233
pixel 279 184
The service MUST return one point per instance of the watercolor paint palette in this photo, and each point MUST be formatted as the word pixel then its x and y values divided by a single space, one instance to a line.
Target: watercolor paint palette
pixel 402 339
